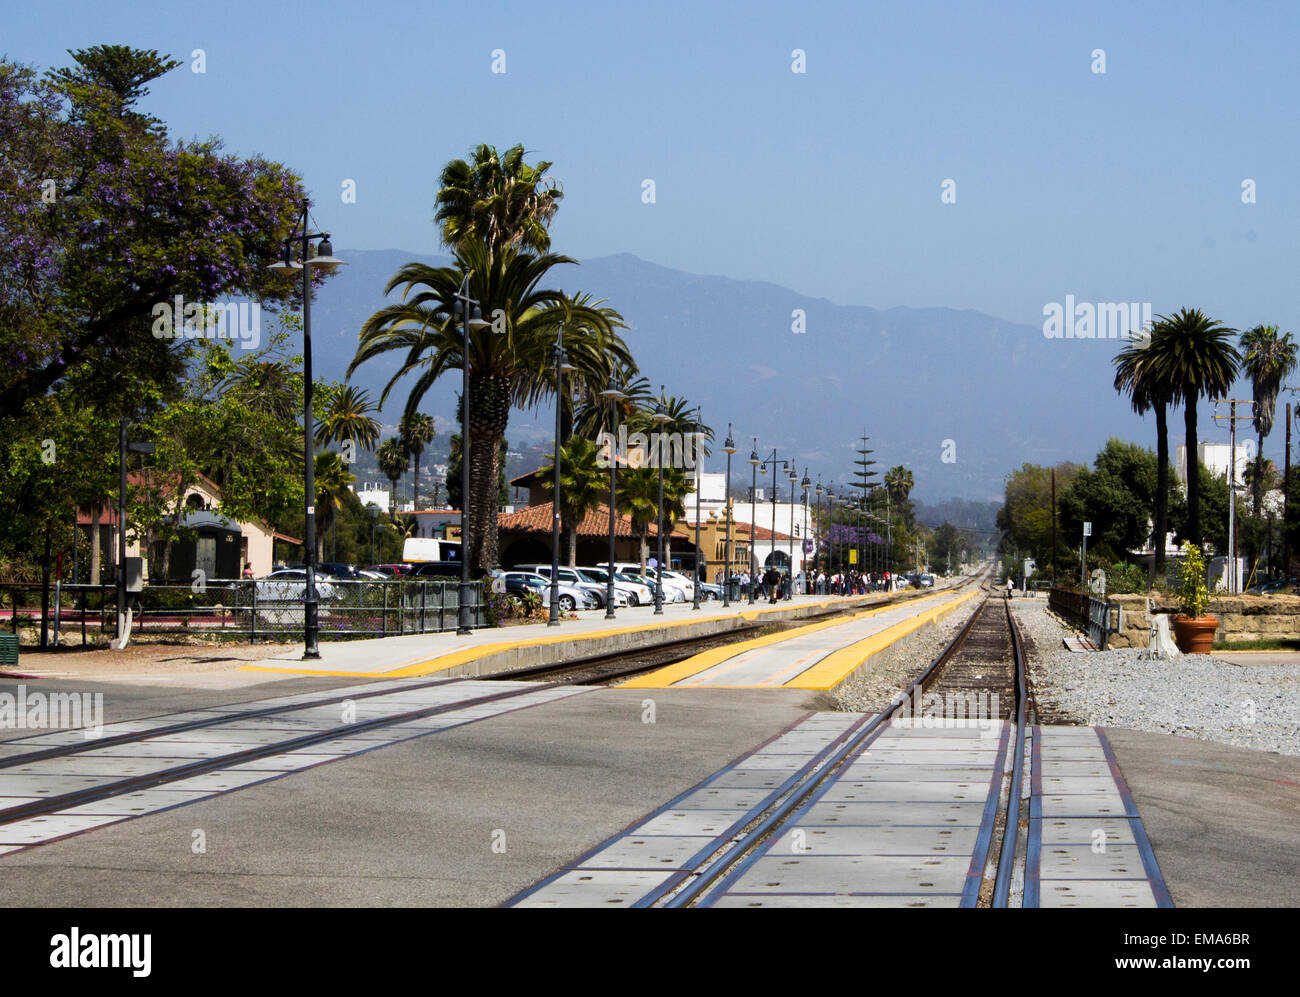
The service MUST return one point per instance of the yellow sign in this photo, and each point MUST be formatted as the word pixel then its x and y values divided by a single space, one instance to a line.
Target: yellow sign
pixel 853 556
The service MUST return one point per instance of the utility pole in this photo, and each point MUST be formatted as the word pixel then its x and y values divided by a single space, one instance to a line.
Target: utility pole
pixel 1286 506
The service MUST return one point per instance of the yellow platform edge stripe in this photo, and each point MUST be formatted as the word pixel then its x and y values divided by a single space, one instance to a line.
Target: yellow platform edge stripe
pixel 445 662
pixel 663 677
pixel 838 665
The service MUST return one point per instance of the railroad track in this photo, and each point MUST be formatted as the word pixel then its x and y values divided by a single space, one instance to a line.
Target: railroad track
pixel 61 773
pixel 757 805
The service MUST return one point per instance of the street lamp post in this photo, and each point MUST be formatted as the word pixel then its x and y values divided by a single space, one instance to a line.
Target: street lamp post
pixel 805 485
pixel 471 318
pixel 753 518
pixel 660 418
pixel 562 367
pixel 326 262
pixel 818 556
pixel 728 448
pixel 695 602
pixel 612 394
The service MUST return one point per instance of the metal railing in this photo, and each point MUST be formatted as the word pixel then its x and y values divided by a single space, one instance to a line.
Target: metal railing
pixel 248 609
pixel 1097 616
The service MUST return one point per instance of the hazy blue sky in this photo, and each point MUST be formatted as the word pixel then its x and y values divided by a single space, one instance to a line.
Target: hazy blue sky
pixel 1119 186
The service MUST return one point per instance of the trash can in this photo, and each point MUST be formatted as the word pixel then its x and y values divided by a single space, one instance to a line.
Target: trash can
pixel 733 588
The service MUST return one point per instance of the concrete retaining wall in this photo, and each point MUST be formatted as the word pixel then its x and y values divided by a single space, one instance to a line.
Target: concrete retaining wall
pixel 1241 617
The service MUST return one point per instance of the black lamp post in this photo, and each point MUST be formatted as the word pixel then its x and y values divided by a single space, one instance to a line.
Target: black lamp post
pixel 695 601
pixel 728 448
pixel 660 417
pixel 753 520
pixel 612 394
pixel 817 557
pixel 804 485
pixel 562 367
pixel 326 262
pixel 794 477
pixel 471 318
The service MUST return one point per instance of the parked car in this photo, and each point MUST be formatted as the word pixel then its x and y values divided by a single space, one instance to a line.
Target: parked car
pixel 290 585
pixel 637 593
pixel 1278 586
pixel 390 570
pixel 568 597
pixel 707 591
pixel 571 576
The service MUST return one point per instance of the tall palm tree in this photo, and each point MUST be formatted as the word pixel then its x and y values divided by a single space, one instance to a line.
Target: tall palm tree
pixel 498 200
pixel 332 480
pixel 416 432
pixel 583 483
pixel 512 368
pixel 637 495
pixel 393 460
pixel 1136 376
pixel 1268 360
pixel 347 417
pixel 592 416
pixel 1193 354
pixel 899 482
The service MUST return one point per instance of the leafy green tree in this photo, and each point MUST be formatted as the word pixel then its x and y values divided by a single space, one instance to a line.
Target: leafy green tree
pixel 1026 514
pixel 1268 360
pixel 131 222
pixel 1115 496
pixel 1194 354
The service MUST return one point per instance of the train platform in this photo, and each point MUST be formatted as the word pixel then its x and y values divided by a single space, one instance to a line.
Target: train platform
pixel 818 656
pixel 491 650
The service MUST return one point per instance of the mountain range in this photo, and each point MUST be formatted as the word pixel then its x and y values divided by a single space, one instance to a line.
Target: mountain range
pixel 960 397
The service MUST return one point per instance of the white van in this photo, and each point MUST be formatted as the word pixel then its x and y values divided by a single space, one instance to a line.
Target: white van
pixel 417 549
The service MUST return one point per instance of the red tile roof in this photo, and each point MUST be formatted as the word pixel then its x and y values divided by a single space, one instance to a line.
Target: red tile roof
pixel 538 519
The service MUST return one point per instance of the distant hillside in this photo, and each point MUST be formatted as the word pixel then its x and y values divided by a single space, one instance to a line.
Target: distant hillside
pixel 911 378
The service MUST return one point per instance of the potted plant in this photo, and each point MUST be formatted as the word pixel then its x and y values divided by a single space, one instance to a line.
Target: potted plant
pixel 1193 629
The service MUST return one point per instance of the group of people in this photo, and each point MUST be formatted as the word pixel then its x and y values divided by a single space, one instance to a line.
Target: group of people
pixel 775 584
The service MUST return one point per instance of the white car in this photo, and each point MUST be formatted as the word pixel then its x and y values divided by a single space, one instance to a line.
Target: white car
pixel 638 593
pixel 675 590
pixel 574 578
pixel 290 585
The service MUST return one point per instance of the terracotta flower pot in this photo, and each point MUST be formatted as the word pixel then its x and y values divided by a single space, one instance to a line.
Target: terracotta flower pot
pixel 1195 636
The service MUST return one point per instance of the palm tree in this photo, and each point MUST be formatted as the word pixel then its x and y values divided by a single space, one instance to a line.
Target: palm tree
pixel 1135 376
pixel 898 482
pixel 498 200
pixel 332 480
pixel 592 416
pixel 1193 354
pixel 347 417
pixel 512 368
pixel 1268 361
pixel 416 432
pixel 637 495
pixel 393 460
pixel 582 486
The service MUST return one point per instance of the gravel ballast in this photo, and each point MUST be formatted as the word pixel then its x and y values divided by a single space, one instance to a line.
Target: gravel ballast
pixel 1250 706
